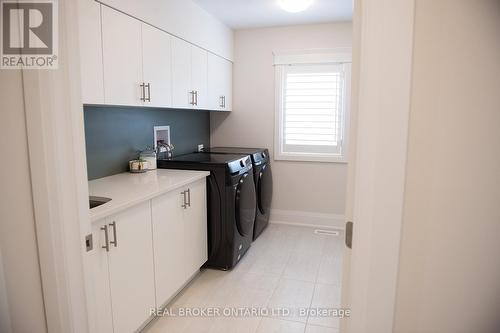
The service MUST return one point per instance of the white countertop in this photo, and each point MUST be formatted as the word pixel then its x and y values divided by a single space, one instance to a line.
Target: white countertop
pixel 128 189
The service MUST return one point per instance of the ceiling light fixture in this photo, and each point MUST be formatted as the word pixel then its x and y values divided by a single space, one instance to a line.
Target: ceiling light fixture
pixel 295 6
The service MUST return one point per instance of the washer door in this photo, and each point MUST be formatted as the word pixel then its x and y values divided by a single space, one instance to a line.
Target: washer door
pixel 265 189
pixel 245 205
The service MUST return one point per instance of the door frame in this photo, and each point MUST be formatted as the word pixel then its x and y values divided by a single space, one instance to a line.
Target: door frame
pixel 56 140
pixel 383 32
pixel 57 159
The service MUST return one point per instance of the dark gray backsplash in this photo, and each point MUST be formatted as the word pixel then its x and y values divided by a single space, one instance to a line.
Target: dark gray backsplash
pixel 114 135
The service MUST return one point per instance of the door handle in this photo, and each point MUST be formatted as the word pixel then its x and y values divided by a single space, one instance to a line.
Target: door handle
pixel 184 205
pixel 149 93
pixel 106 238
pixel 189 197
pixel 348 234
pixel 114 241
pixel 143 92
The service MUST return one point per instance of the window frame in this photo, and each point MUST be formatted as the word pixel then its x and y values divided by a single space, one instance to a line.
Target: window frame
pixel 280 78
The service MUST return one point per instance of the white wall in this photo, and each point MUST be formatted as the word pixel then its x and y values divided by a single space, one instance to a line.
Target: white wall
pixel 302 187
pixel 18 246
pixel 184 19
pixel 449 267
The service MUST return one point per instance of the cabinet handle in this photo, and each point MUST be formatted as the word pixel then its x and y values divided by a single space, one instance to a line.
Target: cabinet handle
pixel 114 241
pixel 189 197
pixel 106 238
pixel 149 92
pixel 224 101
pixel 191 102
pixel 196 97
pixel 143 92
pixel 221 100
pixel 184 205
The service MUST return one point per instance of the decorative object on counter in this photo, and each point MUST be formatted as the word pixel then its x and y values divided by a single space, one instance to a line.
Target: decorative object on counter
pixel 149 155
pixel 164 150
pixel 138 166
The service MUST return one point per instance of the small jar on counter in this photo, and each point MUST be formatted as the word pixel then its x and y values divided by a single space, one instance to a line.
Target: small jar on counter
pixel 149 155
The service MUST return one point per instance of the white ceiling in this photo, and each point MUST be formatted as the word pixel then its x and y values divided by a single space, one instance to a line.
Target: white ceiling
pixel 243 14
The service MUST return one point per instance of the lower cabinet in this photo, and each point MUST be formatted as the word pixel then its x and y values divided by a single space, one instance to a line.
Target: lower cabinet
pixel 125 280
pixel 143 255
pixel 179 237
pixel 195 228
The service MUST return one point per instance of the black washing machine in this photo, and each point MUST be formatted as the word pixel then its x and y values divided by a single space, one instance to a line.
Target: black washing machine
pixel 263 178
pixel 231 203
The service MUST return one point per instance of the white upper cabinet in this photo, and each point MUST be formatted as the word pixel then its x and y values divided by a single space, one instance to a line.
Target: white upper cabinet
pixel 183 95
pixel 128 62
pixel 220 73
pixel 182 18
pixel 122 58
pixel 91 70
pixel 228 85
pixel 199 78
pixel 157 66
pixel 189 72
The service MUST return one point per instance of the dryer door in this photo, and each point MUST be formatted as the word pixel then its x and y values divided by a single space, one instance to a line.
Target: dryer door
pixel 264 189
pixel 245 205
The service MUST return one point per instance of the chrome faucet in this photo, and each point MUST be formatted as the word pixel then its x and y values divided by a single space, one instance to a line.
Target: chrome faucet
pixel 163 147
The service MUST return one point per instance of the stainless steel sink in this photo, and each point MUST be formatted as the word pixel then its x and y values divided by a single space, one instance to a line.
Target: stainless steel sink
pixel 97 201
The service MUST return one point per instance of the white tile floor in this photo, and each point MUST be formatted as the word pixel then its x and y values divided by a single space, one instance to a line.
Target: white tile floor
pixel 286 267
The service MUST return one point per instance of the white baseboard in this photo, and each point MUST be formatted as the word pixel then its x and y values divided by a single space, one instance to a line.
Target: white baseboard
pixel 319 220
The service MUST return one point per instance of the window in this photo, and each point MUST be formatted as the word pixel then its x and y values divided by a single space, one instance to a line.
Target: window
pixel 311 108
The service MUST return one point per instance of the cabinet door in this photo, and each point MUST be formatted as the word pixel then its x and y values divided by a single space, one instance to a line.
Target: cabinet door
pixel 122 57
pixel 181 74
pixel 131 269
pixel 102 313
pixel 215 82
pixel 91 71
pixel 220 77
pixel 168 244
pixel 195 228
pixel 227 84
pixel 157 67
pixel 199 78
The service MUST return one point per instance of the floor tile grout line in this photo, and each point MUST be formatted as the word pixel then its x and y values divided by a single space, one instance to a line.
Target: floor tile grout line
pixel 274 291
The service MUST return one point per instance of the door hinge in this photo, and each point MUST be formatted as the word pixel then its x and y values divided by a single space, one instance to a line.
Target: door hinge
pixel 348 234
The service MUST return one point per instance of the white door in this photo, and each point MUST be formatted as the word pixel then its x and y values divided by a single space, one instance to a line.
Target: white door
pixel 168 242
pixel 91 70
pixel 181 74
pixel 195 227
pixel 122 57
pixel 199 80
pixel 100 280
pixel 157 66
pixel 131 269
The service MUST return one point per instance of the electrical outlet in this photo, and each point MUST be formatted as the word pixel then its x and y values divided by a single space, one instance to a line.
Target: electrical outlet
pixel 201 148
